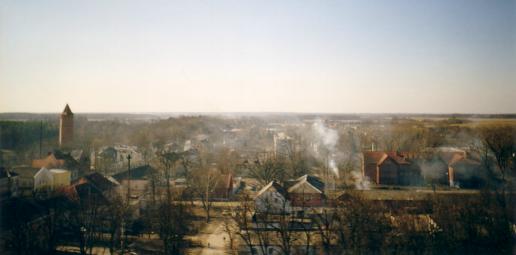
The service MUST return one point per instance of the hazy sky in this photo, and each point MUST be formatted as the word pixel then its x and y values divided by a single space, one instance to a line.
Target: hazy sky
pixel 275 56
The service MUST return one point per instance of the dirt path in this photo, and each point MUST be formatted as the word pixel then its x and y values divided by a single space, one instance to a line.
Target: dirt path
pixel 212 233
pixel 215 242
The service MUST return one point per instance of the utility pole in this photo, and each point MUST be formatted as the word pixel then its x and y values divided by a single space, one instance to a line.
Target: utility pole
pixel 128 178
pixel 124 231
pixel 40 137
pixel 328 170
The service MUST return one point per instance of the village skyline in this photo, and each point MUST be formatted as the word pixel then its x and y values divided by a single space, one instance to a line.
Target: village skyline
pixel 291 127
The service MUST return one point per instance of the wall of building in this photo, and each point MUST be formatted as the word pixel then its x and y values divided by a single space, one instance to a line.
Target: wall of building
pixel 66 130
pixel 389 173
pixel 61 178
pixel 306 199
pixel 272 202
pixel 370 171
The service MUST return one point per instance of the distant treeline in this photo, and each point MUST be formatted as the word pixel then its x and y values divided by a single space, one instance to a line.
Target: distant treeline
pixel 270 116
pixel 16 135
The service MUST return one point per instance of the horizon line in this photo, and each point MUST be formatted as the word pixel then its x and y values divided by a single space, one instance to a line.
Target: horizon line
pixel 272 112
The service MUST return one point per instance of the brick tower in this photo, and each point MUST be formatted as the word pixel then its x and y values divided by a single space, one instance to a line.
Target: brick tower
pixel 66 127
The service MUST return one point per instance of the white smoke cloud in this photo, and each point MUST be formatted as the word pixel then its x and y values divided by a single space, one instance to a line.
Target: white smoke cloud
pixel 361 182
pixel 328 138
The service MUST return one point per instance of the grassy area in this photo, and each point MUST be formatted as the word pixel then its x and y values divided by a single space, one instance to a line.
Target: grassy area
pixel 406 193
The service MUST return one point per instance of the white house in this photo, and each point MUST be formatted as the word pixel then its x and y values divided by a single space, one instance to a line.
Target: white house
pixel 114 158
pixel 272 199
pixel 43 179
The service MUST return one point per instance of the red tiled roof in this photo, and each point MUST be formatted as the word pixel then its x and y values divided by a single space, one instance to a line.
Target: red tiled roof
pixel 465 162
pixel 398 158
pixel 377 157
pixel 51 161
pixel 374 157
pixel 451 157
pixel 99 181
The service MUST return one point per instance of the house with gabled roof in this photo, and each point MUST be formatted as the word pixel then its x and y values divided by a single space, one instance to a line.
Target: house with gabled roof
pixel 138 178
pixel 307 191
pixel 59 160
pixel 43 179
pixel 389 168
pixel 303 192
pixel 272 199
pixel 92 190
pixel 108 186
pixel 451 166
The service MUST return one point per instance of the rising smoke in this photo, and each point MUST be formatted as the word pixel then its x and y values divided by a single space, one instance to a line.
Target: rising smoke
pixel 327 138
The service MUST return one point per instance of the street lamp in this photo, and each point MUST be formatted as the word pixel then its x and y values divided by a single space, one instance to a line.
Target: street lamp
pixel 82 244
pixel 122 230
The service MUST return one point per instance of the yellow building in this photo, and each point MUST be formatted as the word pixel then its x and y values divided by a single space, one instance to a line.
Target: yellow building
pixel 61 177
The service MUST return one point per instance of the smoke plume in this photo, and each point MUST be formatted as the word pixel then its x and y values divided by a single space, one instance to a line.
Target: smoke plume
pixel 327 138
pixel 360 181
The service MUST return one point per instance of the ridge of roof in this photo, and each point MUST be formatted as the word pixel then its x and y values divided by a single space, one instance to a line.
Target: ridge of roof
pixel 400 159
pixel 295 186
pixel 313 181
pixel 98 180
pixel 136 173
pixel 378 157
pixel 275 185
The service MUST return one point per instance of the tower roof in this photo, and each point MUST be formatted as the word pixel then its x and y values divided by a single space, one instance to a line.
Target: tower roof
pixel 67 110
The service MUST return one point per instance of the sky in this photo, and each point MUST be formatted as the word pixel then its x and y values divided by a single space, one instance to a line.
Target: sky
pixel 393 56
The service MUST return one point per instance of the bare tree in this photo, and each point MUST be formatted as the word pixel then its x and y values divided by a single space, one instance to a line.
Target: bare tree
pixel 267 170
pixel 242 218
pixel 501 142
pixel 115 214
pixel 363 224
pixel 168 161
pixel 173 220
pixel 85 217
pixel 21 227
pixel 285 230
pixel 326 224
pixel 474 224
pixel 262 230
pixel 230 228
pixel 204 181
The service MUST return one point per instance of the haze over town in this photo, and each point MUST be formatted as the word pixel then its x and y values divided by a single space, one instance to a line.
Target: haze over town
pixel 257 127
